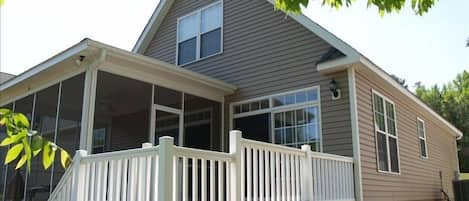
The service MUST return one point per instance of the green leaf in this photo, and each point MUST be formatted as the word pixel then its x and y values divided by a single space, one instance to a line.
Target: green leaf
pixel 36 144
pixel 13 153
pixel 27 151
pixel 21 162
pixel 3 121
pixel 21 120
pixel 64 158
pixel 4 111
pixel 9 140
pixel 48 155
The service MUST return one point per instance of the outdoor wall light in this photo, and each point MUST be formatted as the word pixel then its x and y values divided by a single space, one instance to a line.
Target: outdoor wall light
pixel 79 60
pixel 334 89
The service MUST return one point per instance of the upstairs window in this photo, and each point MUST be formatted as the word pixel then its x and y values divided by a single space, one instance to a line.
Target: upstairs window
pixel 386 134
pixel 422 138
pixel 200 34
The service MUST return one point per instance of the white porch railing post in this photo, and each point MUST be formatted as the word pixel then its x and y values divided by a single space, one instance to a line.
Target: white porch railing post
pixel 306 175
pixel 235 166
pixel 79 172
pixel 165 169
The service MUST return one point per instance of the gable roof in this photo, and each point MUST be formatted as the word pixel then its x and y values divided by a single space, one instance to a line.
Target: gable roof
pixel 338 59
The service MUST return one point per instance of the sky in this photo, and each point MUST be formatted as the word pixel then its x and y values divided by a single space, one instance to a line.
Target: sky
pixel 430 48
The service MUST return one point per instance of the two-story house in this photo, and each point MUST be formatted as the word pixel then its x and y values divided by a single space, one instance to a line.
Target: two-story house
pixel 204 68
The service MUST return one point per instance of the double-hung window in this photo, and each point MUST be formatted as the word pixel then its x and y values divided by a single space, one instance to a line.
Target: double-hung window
pixel 199 34
pixel 386 134
pixel 422 138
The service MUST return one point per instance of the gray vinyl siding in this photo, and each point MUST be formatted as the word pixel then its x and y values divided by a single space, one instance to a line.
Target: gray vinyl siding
pixel 419 178
pixel 264 52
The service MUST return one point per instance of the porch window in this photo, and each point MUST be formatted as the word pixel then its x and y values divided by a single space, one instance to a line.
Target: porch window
pixel 422 138
pixel 291 118
pixel 386 134
pixel 199 34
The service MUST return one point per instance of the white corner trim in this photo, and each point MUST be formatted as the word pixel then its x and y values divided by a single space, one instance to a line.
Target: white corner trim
pixel 381 73
pixel 355 133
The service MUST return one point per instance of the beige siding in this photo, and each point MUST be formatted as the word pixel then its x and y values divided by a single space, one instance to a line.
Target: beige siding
pixel 264 53
pixel 419 178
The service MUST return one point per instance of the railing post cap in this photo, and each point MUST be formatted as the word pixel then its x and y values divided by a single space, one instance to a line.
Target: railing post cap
pixel 306 147
pixel 235 132
pixel 166 139
pixel 146 145
pixel 81 152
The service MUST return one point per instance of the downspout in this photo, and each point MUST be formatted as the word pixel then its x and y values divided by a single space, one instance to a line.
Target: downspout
pixel 89 95
pixel 355 133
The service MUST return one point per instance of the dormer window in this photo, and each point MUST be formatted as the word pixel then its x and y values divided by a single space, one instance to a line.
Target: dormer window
pixel 199 34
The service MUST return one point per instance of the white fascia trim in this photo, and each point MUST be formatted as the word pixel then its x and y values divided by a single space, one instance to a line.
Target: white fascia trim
pixel 335 65
pixel 45 65
pixel 166 67
pixel 324 34
pixel 373 67
pixel 152 26
pixel 164 6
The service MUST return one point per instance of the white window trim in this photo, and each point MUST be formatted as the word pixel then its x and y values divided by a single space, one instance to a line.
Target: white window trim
pixel 199 33
pixel 273 110
pixel 376 130
pixel 424 138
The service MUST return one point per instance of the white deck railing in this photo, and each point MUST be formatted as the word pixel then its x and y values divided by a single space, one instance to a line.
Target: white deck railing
pixel 252 171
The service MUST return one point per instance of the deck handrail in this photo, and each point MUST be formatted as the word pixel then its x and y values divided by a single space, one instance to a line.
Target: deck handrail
pixel 251 171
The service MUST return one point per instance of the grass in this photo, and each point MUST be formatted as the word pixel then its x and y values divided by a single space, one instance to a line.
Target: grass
pixel 464 176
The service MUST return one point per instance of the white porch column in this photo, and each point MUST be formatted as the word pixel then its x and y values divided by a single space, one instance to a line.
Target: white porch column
pixel 165 169
pixel 79 172
pixel 235 166
pixel 306 175
pixel 89 96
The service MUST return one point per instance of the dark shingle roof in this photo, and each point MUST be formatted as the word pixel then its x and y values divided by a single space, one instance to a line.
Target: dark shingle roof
pixel 331 54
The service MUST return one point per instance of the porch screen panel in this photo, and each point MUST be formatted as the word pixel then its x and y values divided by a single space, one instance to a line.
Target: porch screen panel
pixel 45 112
pixel 69 120
pixel 122 112
pixel 202 122
pixel 16 179
pixel 3 168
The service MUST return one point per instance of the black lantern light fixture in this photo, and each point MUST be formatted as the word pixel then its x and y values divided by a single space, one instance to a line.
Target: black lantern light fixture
pixel 334 89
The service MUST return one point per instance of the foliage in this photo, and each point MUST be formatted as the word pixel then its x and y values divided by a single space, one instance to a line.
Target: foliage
pixel 452 102
pixel 420 7
pixel 20 139
pixel 401 81
pixel 464 176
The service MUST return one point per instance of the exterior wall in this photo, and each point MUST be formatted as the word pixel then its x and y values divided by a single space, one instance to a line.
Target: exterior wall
pixel 419 178
pixel 264 53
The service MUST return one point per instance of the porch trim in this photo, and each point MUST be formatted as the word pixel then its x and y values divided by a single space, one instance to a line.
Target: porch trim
pixel 355 134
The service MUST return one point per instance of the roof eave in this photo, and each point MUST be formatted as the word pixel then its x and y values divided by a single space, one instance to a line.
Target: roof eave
pixel 163 66
pixel 75 49
pixel 385 76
